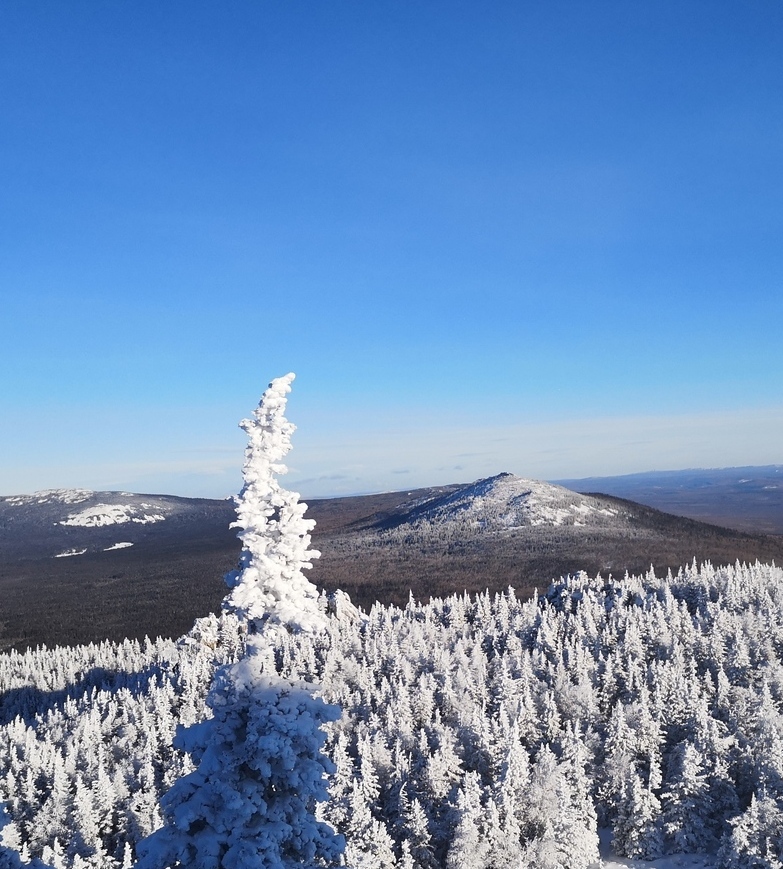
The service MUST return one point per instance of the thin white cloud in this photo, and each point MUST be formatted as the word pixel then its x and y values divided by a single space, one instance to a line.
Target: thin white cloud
pixel 360 461
pixel 572 448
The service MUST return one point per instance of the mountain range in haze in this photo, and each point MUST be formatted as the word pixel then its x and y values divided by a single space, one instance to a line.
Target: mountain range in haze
pixel 745 498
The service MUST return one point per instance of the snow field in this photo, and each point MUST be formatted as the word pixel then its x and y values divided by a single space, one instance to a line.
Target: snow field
pixel 102 515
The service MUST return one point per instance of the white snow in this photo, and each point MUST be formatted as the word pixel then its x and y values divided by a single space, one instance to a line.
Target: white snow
pixel 69 552
pixel 270 583
pixel 124 545
pixel 112 514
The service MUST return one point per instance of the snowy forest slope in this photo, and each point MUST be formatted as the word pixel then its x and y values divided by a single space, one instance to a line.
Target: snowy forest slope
pixel 507 530
pixel 492 730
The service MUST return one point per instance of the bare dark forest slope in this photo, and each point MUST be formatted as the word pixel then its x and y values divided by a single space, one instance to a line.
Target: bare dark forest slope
pixel 152 564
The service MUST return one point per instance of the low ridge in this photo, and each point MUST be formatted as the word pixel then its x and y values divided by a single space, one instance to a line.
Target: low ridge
pixel 59 522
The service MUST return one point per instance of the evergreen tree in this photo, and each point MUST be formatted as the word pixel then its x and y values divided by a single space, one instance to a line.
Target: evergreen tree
pixel 418 836
pixel 369 844
pixel 250 803
pixel 687 802
pixel 9 842
pixel 637 829
pixel 469 847
pixel 756 839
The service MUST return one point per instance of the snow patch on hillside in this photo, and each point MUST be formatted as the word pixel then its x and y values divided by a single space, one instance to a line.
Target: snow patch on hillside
pixel 102 515
pixel 51 496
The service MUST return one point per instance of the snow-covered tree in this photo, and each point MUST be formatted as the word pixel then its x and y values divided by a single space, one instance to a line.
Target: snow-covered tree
pixel 9 842
pixel 251 800
pixel 369 844
pixel 268 584
pixel 469 847
pixel 756 838
pixel 637 829
pixel 687 802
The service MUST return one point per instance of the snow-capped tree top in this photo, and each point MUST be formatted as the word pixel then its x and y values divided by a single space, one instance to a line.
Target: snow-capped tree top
pixel 269 585
pixel 269 431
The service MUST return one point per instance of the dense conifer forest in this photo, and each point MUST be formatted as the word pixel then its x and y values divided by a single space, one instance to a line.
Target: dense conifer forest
pixel 476 731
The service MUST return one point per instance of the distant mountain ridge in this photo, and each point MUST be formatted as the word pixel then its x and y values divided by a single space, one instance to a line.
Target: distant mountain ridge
pixel 58 522
pixel 77 565
pixel 748 498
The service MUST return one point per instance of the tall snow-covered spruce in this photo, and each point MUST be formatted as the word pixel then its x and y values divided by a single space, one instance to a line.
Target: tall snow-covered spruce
pixel 269 585
pixel 260 770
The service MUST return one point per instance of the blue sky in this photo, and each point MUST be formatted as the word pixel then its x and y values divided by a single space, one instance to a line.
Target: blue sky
pixel 545 238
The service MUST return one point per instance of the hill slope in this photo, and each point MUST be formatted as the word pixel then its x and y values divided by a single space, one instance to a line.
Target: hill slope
pixel 507 530
pixel 151 564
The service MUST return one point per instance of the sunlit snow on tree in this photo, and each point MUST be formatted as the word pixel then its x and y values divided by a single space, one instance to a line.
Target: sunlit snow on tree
pixel 251 800
pixel 269 585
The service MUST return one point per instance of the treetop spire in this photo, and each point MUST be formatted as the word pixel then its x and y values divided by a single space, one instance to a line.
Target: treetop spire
pixel 269 585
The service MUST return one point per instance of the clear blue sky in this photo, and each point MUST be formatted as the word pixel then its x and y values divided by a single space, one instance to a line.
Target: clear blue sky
pixel 542 237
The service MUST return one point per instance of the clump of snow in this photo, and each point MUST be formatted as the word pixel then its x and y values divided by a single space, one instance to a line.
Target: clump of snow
pixel 69 552
pixel 102 515
pixel 123 545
